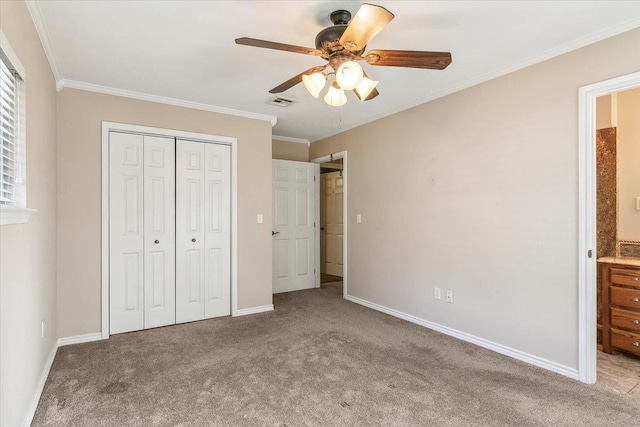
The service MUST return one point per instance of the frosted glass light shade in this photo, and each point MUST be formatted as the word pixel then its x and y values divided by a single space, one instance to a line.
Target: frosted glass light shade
pixel 335 96
pixel 364 89
pixel 314 83
pixel 349 75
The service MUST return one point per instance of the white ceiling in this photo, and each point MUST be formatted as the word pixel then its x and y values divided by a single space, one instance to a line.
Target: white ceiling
pixel 185 49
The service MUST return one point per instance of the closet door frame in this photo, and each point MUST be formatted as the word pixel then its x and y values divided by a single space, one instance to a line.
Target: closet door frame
pixel 170 133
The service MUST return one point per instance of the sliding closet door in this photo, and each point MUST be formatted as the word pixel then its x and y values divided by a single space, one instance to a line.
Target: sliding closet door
pixel 159 232
pixel 126 232
pixel 203 229
pixel 217 216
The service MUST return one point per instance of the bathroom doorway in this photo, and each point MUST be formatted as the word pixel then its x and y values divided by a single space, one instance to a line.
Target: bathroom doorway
pixel 617 154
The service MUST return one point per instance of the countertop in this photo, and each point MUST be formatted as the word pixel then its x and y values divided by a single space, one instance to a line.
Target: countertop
pixel 620 260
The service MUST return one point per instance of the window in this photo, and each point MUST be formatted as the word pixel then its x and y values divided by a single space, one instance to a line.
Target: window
pixel 13 195
pixel 9 108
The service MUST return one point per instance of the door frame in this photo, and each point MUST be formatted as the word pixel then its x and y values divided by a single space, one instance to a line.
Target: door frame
pixel 587 227
pixel 170 133
pixel 324 159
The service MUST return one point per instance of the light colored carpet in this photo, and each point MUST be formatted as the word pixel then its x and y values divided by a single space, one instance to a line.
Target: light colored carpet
pixel 317 360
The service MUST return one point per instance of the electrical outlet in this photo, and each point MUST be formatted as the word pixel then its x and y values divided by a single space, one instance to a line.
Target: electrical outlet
pixel 359 218
pixel 450 297
pixel 42 328
pixel 260 219
pixel 437 293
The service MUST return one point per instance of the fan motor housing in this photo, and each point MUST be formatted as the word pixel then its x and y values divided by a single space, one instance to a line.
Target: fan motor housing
pixel 328 40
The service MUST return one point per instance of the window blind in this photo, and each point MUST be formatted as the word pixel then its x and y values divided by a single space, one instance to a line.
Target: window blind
pixel 8 139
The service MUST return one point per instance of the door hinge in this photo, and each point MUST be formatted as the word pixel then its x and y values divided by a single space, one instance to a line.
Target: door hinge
pixel 314 271
pixel 314 178
pixel 314 224
pixel 590 253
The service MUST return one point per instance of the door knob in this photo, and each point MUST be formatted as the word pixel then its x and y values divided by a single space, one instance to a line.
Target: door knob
pixel 322 228
pixel 273 233
pixel 193 240
pixel 156 241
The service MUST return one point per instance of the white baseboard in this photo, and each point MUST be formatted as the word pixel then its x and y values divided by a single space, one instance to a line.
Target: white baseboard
pixel 79 339
pixel 43 379
pixel 254 310
pixel 490 345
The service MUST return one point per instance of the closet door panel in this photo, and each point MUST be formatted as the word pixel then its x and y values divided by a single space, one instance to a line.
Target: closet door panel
pixel 190 236
pixel 217 212
pixel 126 233
pixel 159 231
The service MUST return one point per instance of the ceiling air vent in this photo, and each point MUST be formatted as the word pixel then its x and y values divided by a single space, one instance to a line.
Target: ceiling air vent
pixel 281 101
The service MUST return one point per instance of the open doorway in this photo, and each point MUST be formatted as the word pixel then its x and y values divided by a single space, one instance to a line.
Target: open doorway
pixel 331 221
pixel 332 212
pixel 618 241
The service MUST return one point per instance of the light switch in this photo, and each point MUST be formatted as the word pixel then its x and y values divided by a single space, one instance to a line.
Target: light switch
pixel 260 219
pixel 359 218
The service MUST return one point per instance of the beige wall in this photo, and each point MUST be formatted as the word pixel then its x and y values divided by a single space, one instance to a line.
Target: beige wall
pixel 285 150
pixel 80 115
pixel 27 251
pixel 628 164
pixel 480 196
pixel 605 109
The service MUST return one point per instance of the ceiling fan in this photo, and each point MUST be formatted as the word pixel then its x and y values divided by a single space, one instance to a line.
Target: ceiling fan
pixel 342 45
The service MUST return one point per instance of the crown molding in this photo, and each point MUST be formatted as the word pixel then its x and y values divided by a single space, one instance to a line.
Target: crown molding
pixel 72 84
pixel 289 139
pixel 43 34
pixel 578 43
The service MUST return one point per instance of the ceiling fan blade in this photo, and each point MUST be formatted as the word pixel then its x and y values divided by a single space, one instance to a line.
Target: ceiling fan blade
pixel 364 26
pixel 277 46
pixel 409 58
pixel 295 80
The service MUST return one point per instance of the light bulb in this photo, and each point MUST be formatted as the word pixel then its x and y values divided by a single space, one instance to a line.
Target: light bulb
pixel 314 83
pixel 364 89
pixel 349 75
pixel 335 96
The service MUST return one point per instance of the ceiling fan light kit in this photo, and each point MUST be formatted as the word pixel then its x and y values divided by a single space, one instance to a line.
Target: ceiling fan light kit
pixel 349 75
pixel 365 88
pixel 335 96
pixel 314 83
pixel 342 45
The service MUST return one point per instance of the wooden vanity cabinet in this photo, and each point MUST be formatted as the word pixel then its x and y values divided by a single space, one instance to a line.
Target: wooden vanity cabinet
pixel 620 306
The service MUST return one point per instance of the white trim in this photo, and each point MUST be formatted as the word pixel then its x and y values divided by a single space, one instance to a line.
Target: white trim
pixel 345 222
pixel 316 219
pixel 551 53
pixel 587 277
pixel 79 339
pixel 345 241
pixel 289 139
pixel 72 84
pixel 490 345
pixel 45 40
pixel 254 310
pixel 28 418
pixel 147 130
pixel 10 215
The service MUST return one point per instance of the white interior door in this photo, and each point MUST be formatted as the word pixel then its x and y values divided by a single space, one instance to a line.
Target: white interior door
pixel 293 226
pixel 126 233
pixel 189 231
pixel 203 231
pixel 333 223
pixel 217 217
pixel 159 232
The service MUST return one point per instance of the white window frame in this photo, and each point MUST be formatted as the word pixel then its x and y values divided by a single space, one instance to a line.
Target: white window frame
pixel 18 213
